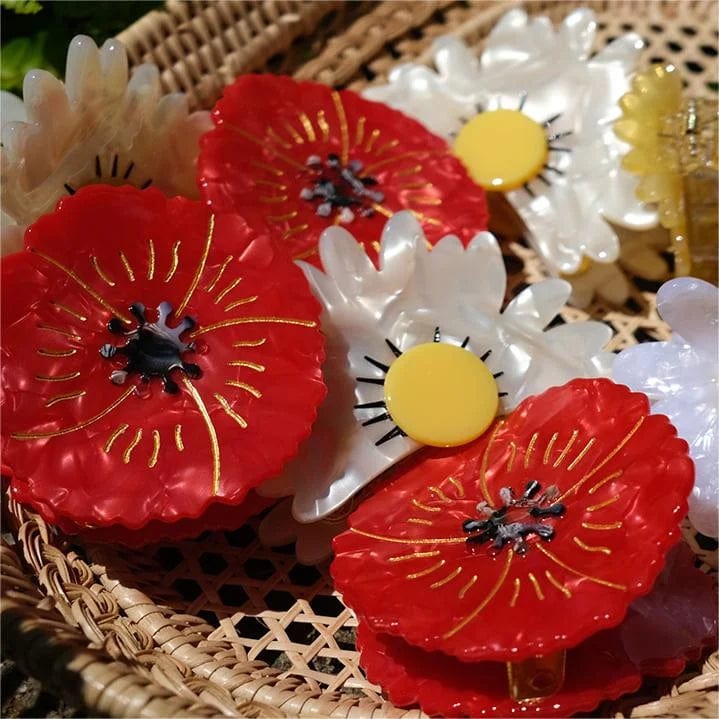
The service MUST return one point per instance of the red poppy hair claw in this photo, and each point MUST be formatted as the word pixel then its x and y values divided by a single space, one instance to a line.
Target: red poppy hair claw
pixel 164 361
pixel 519 548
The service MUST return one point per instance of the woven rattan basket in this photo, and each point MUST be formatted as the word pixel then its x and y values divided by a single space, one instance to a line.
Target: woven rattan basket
pixel 220 626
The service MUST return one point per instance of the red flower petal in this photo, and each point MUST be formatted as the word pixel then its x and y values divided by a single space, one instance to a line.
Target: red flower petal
pixel 255 162
pixel 623 477
pixel 99 454
pixel 661 631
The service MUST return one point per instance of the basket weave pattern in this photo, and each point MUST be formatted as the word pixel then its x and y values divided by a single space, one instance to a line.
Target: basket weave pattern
pixel 220 626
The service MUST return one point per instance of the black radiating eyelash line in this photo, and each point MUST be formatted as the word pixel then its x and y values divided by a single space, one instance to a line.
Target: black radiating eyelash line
pixel 113 173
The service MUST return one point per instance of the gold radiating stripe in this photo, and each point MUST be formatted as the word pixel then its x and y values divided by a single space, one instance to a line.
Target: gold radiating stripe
pixel 63 397
pixel 250 343
pixel 71 312
pixel 200 267
pixel 437 491
pixel 537 589
pixel 359 130
pixel 227 290
pixel 121 429
pixel 591 548
pixel 409 171
pixel 127 454
pixel 457 485
pixel 60 331
pixel 229 411
pixel 608 478
pixel 294 230
pixel 566 449
pixel 425 218
pixel 557 584
pixel 382 209
pixel 371 140
pixel 81 425
pixel 254 320
pixel 403 540
pixel 600 527
pixel 268 168
pixel 250 365
pixel 150 259
pixel 413 555
pixel 178 438
pixel 279 140
pixel 214 444
pixel 488 598
pixel 294 134
pixel 322 124
pixel 564 565
pixel 548 450
pixel 90 291
pixel 219 274
pixel 260 142
pixel 580 456
pixel 512 455
pixel 175 261
pixel 441 582
pixel 269 183
pixel 387 146
pixel 239 303
pixel 57 377
pixel 56 353
pixel 273 199
pixel 152 462
pixel 530 449
pixel 282 218
pixel 425 507
pixel 424 200
pixel 309 129
pixel 463 591
pixel 419 520
pixel 342 118
pixel 100 273
pixel 485 461
pixel 247 387
pixel 381 163
pixel 128 267
pixel 603 504
pixel 429 570
pixel 515 594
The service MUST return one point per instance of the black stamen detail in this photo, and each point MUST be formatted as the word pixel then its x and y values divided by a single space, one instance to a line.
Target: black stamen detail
pixel 552 119
pixel 560 134
pixel 531 489
pixel 554 169
pixel 146 184
pixel 498 374
pixel 98 166
pixel 541 177
pixel 70 189
pixel 374 420
pixel 479 107
pixel 465 342
pixel 370 405
pixel 377 364
pixel 485 355
pixel 129 170
pixel 529 190
pixel 114 166
pixel 560 149
pixel 437 335
pixel 522 100
pixel 394 432
pixel 370 380
pixel 396 351
pixel 502 394
pixel 556 510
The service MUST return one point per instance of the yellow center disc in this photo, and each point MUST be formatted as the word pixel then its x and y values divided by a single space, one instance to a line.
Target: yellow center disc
pixel 502 149
pixel 440 394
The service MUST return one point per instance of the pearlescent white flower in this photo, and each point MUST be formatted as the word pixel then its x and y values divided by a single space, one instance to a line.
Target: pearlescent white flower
pixel 100 125
pixel 681 377
pixel 366 311
pixel 551 78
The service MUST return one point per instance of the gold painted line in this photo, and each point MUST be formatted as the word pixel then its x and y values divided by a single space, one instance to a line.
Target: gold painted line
pixel 268 168
pixel 409 171
pixel 293 133
pixel 425 507
pixel 557 584
pixel 375 246
pixel 128 267
pixel 548 450
pixel 470 617
pixel 566 449
pixel 602 527
pixel 250 343
pixel 250 365
pixel 214 444
pixel 178 438
pixel 81 425
pixel 437 491
pixel 537 589
pixel 65 333
pixel 200 267
pixel 424 200
pixel 127 454
pixel 387 146
pixel 425 218
pixel 307 125
pixel 463 591
pixel 401 540
pixel 381 163
pixel 150 259
pixel 120 430
pixel 457 485
pixel 279 140
pixel 563 565
pixel 71 312
pixel 239 303
pixel 227 290
pixel 603 504
pixel 322 124
pixel 229 411
pixel 581 455
pixel 530 449
pixel 342 118
pixel 591 548
pixel 56 353
pixel 99 271
pixel 269 183
pixel 73 276
pixel 219 274
pixel 382 209
pixel 512 455
pixel 63 397
pixel 419 520
pixel 294 230
pixel 247 387
pixel 415 186
pixel 359 130
pixel 413 555
pixel 57 377
pixel 441 582
pixel 485 461
pixel 515 593
pixel 254 320
pixel 273 199
pixel 282 218
pixel 152 462
pixel 371 140
pixel 429 570
pixel 175 261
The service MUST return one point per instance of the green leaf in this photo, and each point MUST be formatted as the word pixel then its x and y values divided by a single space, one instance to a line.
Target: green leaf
pixel 21 55
pixel 22 7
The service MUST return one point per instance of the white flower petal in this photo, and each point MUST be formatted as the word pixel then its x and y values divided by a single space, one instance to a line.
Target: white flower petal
pixel 537 305
pixel 12 108
pixel 577 32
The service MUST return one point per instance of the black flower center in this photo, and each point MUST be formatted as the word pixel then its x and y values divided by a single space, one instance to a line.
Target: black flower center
pixel 517 519
pixel 338 188
pixel 152 349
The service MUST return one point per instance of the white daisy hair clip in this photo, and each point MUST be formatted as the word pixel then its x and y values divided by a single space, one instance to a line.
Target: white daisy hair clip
pixel 99 126
pixel 420 352
pixel 532 117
